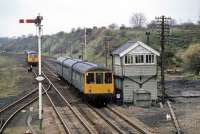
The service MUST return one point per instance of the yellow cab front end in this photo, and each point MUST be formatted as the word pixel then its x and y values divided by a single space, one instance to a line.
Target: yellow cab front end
pixel 98 83
pixel 33 58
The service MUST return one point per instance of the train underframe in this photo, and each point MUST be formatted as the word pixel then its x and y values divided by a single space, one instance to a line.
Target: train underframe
pixel 33 63
pixel 98 100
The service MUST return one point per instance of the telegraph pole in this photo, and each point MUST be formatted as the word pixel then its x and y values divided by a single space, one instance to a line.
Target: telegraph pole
pixel 107 48
pixel 163 31
pixel 70 44
pixel 87 31
pixel 37 21
pixel 147 37
pixel 49 50
pixel 85 43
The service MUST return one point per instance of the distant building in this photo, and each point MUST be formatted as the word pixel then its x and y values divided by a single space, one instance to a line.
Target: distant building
pixel 135 70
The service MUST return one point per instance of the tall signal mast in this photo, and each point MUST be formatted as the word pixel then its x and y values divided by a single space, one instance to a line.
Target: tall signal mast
pixel 37 21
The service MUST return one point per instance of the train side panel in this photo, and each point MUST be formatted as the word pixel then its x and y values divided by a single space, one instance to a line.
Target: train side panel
pixel 77 80
pixel 59 69
pixel 67 74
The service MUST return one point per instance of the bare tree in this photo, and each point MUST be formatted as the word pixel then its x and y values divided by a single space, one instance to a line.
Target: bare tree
pixel 73 30
pixel 198 21
pixel 173 22
pixel 113 26
pixel 138 19
pixel 152 24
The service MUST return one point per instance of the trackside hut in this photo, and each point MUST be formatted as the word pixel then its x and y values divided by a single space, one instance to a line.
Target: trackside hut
pixel 135 70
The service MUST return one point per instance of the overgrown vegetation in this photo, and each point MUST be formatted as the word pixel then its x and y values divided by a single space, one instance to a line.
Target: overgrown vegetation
pixel 192 58
pixel 14 78
pixel 9 77
pixel 59 44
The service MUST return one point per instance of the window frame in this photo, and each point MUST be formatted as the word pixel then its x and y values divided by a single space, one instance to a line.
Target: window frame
pixel 110 82
pixel 93 78
pixel 151 58
pixel 129 59
pixel 102 82
pixel 139 57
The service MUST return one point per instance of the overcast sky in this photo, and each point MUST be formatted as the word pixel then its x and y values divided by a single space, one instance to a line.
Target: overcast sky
pixel 63 15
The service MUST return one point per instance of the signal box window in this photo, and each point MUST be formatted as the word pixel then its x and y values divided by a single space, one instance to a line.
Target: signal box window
pixel 90 78
pixel 108 77
pixel 149 58
pixel 129 59
pixel 99 78
pixel 139 58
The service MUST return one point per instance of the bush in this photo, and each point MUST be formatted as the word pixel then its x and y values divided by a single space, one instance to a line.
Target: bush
pixel 192 58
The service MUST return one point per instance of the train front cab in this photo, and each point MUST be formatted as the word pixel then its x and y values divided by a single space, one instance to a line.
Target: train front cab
pixel 99 86
pixel 32 59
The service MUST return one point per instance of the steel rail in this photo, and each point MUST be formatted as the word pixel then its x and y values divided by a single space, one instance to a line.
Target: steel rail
pixel 175 120
pixel 137 127
pixel 68 104
pixel 11 116
pixel 16 101
pixel 50 71
pixel 107 121
pixel 58 114
pixel 20 108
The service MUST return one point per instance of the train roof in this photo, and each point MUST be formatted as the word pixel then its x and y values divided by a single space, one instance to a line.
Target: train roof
pixel 80 65
pixel 30 52
pixel 61 59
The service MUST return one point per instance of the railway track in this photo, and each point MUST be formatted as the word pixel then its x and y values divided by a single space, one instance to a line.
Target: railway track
pixel 114 121
pixel 70 117
pixel 10 111
pixel 134 123
pixel 70 113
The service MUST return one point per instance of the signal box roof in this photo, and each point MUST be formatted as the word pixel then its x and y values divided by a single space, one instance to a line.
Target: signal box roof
pixel 131 45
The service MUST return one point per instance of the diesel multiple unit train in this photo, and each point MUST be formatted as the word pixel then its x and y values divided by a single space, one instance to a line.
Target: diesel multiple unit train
pixel 31 57
pixel 93 81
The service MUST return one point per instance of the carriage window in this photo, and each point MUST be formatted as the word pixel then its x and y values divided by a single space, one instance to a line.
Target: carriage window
pixel 108 77
pixel 90 78
pixel 99 78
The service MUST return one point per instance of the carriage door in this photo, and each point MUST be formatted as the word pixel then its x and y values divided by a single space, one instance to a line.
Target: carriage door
pixel 89 82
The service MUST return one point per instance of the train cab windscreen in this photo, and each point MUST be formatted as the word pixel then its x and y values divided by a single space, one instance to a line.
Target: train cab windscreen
pixel 35 55
pixel 99 78
pixel 90 78
pixel 108 77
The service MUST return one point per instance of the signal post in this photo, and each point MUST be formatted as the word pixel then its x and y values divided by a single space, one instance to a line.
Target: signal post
pixel 37 21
